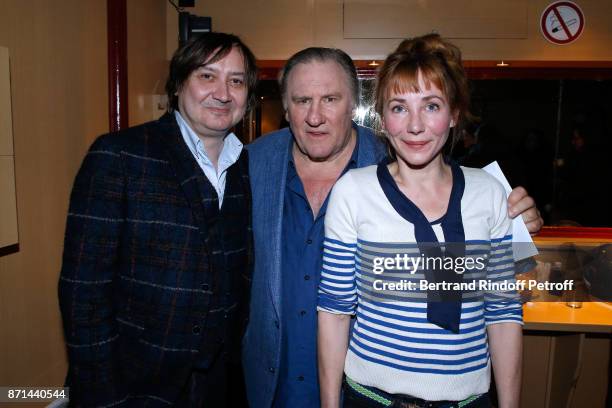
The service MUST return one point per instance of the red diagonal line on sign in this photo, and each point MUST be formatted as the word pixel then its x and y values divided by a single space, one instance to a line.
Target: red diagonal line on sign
pixel 567 31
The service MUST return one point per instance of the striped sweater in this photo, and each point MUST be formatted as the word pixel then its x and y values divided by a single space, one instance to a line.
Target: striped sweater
pixel 392 346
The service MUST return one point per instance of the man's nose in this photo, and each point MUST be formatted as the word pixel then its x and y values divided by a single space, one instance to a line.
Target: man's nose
pixel 221 92
pixel 314 116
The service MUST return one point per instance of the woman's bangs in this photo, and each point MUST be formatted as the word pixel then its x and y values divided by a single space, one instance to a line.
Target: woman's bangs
pixel 405 79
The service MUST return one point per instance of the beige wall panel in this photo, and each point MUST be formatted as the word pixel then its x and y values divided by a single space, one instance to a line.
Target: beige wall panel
pixel 6 120
pixel 329 33
pixel 536 358
pixel 60 103
pixel 592 44
pixel 277 29
pixel 594 375
pixel 458 19
pixel 273 29
pixel 147 65
pixel 8 206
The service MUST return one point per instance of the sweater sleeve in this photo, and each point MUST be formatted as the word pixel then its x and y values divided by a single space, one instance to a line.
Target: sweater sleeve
pixel 337 287
pixel 501 305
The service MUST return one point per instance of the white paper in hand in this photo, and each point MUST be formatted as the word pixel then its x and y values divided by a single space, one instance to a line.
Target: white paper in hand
pixel 522 244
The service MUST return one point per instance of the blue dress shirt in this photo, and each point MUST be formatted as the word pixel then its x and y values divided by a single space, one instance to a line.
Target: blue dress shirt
pixel 302 248
pixel 232 147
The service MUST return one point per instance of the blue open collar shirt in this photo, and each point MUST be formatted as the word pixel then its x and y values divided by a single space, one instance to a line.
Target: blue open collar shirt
pixel 302 247
pixel 232 147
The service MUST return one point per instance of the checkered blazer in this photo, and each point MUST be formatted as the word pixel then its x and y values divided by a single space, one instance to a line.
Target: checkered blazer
pixel 143 286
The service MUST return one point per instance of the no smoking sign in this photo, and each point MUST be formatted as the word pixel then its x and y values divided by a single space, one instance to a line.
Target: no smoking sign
pixel 562 22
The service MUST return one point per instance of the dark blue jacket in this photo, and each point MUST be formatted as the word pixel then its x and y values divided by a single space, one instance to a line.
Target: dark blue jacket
pixel 268 160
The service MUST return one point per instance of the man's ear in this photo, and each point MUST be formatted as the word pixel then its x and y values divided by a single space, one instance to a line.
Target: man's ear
pixel 285 110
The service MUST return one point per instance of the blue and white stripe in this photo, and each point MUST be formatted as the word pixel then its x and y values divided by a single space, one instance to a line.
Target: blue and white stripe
pixel 338 277
pixel 397 334
pixel 393 346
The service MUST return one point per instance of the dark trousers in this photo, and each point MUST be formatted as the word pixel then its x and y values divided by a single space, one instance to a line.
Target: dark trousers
pixel 221 385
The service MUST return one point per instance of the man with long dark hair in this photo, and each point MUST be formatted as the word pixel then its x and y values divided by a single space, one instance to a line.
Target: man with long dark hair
pixel 155 273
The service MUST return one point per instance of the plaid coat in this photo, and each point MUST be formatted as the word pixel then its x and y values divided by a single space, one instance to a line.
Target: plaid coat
pixel 147 265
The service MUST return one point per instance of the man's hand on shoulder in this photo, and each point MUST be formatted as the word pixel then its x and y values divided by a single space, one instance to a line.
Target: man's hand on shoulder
pixel 519 202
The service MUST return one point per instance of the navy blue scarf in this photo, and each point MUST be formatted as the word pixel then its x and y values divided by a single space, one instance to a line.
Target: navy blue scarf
pixel 444 306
